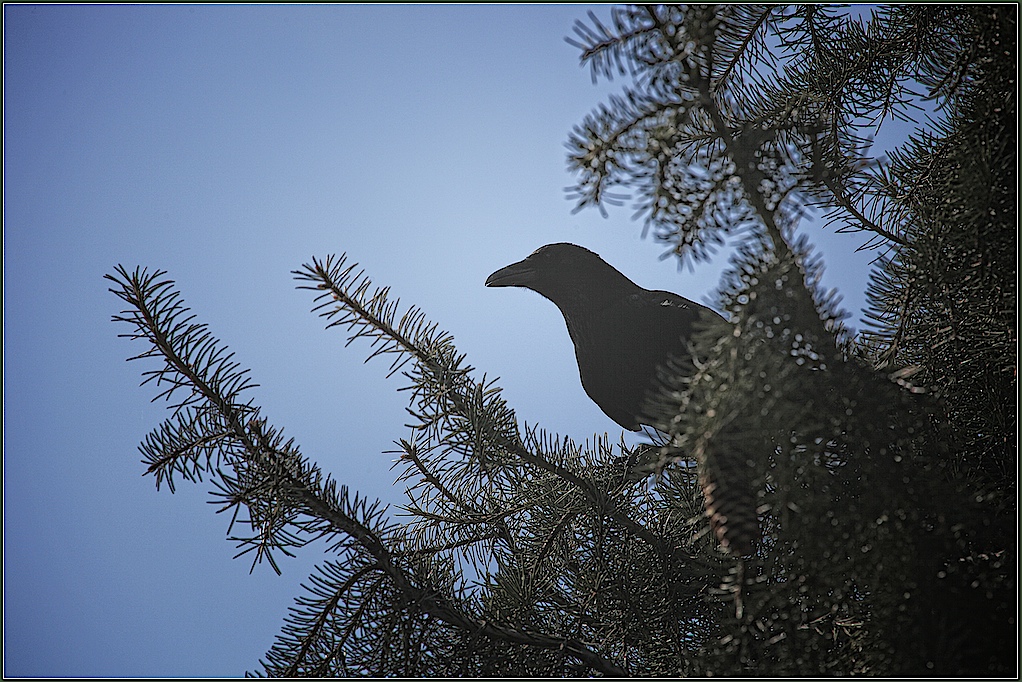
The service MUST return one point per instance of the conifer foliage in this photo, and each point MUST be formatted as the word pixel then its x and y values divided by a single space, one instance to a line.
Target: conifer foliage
pixel 867 484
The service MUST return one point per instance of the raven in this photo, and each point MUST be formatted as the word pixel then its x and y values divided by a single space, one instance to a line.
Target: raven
pixel 621 331
pixel 622 334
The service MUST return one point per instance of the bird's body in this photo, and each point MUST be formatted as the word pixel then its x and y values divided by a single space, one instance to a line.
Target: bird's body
pixel 621 332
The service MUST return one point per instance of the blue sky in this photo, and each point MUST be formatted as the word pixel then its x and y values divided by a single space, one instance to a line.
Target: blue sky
pixel 229 145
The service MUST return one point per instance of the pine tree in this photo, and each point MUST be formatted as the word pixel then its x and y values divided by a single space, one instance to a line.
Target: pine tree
pixel 878 472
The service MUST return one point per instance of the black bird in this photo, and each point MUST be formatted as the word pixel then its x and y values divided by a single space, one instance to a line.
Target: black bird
pixel 621 331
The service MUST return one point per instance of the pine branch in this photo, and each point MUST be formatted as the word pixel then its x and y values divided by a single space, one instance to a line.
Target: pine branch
pixel 345 301
pixel 608 51
pixel 270 478
pixel 751 35
pixel 250 463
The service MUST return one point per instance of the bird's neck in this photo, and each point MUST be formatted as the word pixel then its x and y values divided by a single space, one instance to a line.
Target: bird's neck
pixel 590 300
pixel 584 308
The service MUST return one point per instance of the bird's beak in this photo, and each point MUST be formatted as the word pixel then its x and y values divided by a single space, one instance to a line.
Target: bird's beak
pixel 520 274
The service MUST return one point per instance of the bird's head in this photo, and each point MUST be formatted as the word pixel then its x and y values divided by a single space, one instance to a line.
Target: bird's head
pixel 562 273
